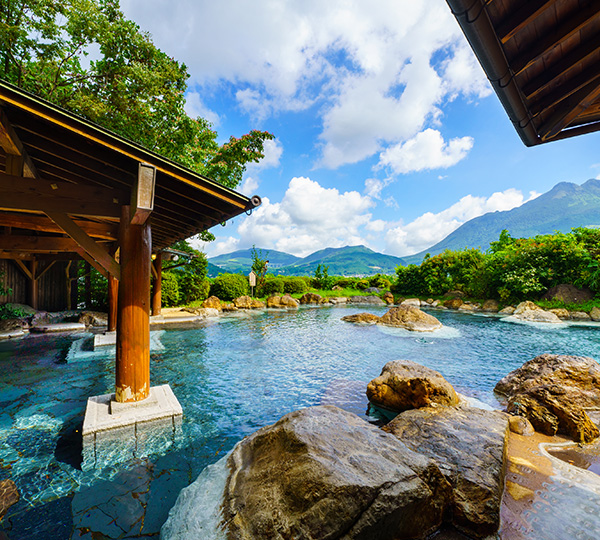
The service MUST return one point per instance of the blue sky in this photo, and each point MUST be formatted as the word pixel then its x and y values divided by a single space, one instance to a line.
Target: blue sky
pixel 387 131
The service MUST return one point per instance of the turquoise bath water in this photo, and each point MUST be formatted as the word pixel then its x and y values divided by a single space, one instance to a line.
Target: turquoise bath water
pixel 232 376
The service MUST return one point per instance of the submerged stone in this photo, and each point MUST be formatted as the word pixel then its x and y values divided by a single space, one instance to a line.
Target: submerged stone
pixel 9 495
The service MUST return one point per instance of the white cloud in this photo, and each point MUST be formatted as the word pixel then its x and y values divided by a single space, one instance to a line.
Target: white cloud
pixel 308 218
pixel 218 247
pixel 273 151
pixel 380 72
pixel 429 228
pixel 194 107
pixel 426 151
pixel 249 186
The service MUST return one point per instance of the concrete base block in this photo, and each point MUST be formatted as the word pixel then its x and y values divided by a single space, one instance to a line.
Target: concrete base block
pixel 104 413
pixel 105 339
pixel 59 327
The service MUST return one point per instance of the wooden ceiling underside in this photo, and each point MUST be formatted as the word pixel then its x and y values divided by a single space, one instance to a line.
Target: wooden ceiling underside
pixel 543 60
pixel 53 163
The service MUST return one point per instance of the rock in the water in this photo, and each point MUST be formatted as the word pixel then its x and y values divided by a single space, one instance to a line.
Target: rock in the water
pixel 508 310
pixel 364 318
pixel 526 306
pixel 228 306
pixel 561 313
pixel 595 314
pixel 530 312
pixel 212 302
pixel 490 306
pixel 411 302
pixel 246 302
pixel 311 298
pixel 285 301
pixel 468 446
pixel 468 306
pixel 580 316
pixel 388 298
pixel 405 385
pixel 9 495
pixel 552 391
pixel 338 300
pixel 520 425
pixel 375 300
pixel 93 318
pixel 568 293
pixel 453 303
pixel 410 318
pixel 324 473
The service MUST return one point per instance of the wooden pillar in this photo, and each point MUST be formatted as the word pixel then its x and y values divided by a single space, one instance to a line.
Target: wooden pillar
pixel 157 289
pixel 113 295
pixel 133 312
pixel 33 290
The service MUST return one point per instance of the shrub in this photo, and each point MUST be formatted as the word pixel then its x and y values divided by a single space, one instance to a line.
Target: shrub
pixel 345 282
pixel 230 286
pixel 169 290
pixel 294 285
pixel 8 311
pixel 362 284
pixel 193 287
pixel 380 281
pixel 272 286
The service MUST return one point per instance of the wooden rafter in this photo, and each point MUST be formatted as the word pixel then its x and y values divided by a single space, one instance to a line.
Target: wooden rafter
pixel 577 104
pixel 13 147
pixel 556 37
pixel 97 252
pixel 576 57
pixel 105 231
pixel 88 258
pixel 528 11
pixel 36 244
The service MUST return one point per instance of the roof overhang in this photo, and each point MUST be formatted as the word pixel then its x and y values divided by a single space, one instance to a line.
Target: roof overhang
pixel 542 58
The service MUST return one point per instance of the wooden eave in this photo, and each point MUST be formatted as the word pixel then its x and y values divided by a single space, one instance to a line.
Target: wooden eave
pixel 88 172
pixel 542 58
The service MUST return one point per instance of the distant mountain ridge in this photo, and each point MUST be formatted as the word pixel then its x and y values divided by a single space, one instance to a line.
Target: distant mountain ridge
pixel 564 207
pixel 345 261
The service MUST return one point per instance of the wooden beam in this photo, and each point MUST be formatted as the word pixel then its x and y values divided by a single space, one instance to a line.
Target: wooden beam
pixel 24 269
pixel 97 252
pixel 528 12
pixel 555 37
pixel 574 58
pixel 36 244
pixel 568 112
pixel 92 262
pixel 45 269
pixel 31 222
pixel 12 145
pixel 41 203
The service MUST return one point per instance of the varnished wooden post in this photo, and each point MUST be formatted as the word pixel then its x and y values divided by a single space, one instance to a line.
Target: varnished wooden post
pixel 133 312
pixel 157 289
pixel 113 295
pixel 33 289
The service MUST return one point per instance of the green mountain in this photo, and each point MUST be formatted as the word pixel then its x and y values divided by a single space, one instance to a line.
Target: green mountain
pixel 346 261
pixel 564 207
pixel 241 261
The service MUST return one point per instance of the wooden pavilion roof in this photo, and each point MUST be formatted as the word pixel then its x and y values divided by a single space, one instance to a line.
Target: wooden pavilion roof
pixel 68 165
pixel 543 60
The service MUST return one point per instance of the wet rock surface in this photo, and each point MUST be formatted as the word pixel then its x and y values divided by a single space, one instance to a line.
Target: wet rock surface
pixel 405 385
pixel 212 302
pixel 311 298
pixel 323 473
pixel 468 446
pixel 552 391
pixel 246 302
pixel 285 301
pixel 410 318
pixel 9 495
pixel 364 318
pixel 375 300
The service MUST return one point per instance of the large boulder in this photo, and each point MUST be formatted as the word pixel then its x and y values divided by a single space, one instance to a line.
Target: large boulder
pixel 453 303
pixel 212 302
pixel 529 312
pixel 93 318
pixel 468 446
pixel 388 298
pixel 490 306
pixel 405 385
pixel 285 301
pixel 324 473
pixel 363 318
pixel 568 293
pixel 311 298
pixel 246 302
pixel 552 391
pixel 410 318
pixel 411 302
pixel 9 495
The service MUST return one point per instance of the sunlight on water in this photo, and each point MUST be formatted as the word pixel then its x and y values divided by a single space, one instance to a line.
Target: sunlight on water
pixel 232 376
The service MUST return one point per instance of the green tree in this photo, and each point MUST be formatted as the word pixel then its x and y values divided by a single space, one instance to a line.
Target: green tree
pixel 85 56
pixel 259 266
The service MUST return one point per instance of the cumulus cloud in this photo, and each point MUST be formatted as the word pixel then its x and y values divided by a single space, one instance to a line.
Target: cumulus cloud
pixel 429 228
pixel 194 107
pixel 380 72
pixel 427 150
pixel 308 218
pixel 249 186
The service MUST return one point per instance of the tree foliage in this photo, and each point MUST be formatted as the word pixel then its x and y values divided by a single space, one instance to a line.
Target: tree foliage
pixel 513 269
pixel 85 56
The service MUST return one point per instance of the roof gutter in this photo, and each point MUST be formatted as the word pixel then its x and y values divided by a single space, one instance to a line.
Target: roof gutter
pixel 474 21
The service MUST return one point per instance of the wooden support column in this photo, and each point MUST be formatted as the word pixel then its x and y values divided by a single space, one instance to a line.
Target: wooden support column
pixel 157 289
pixel 113 295
pixel 133 312
pixel 32 286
